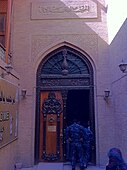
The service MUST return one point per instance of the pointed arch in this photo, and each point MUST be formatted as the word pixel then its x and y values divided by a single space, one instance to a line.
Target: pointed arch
pixel 65 58
pixel 57 45
pixel 63 69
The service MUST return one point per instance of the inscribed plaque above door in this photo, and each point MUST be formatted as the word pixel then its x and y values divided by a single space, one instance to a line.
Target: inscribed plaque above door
pixel 64 9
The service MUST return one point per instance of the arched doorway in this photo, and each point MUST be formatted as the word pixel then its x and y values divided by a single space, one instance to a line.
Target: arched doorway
pixel 64 92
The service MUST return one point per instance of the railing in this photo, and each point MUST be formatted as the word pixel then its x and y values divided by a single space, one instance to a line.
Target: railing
pixel 2 54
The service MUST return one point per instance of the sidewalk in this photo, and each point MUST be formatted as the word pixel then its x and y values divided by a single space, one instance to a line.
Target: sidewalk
pixel 59 166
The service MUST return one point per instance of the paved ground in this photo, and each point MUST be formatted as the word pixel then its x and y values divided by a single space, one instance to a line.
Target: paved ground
pixel 59 166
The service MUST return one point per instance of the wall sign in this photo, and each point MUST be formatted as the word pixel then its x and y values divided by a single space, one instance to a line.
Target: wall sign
pixel 64 9
pixel 8 112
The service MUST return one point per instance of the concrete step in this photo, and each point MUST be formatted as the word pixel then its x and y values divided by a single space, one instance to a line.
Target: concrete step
pixel 59 166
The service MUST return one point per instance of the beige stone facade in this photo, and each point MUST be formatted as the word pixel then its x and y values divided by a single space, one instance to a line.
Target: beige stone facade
pixel 38 28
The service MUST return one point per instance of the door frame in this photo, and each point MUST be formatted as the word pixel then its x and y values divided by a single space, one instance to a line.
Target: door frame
pixel 53 82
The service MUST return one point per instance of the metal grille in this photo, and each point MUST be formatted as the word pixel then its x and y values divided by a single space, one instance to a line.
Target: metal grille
pixel 76 65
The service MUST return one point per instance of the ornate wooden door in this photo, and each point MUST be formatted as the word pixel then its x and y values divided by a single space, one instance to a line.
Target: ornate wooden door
pixel 51 126
pixel 61 70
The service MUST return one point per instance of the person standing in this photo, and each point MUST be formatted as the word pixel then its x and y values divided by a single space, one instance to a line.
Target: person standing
pixel 74 140
pixel 87 143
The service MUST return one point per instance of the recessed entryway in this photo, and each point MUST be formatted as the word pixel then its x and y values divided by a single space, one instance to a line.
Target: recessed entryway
pixel 77 106
pixel 68 75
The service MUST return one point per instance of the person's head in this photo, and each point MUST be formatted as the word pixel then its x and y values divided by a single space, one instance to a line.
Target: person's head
pixel 115 153
pixel 75 121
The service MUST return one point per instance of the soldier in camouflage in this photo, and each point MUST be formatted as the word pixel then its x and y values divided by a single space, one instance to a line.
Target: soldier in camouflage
pixel 75 142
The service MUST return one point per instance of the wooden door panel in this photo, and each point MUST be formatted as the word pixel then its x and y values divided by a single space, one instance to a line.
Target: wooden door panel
pixel 51 126
pixel 51 134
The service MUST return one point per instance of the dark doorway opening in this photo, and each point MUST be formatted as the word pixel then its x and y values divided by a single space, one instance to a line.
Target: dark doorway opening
pixel 77 107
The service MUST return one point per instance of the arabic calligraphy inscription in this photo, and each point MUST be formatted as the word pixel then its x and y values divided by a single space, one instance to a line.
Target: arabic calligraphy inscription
pixel 65 9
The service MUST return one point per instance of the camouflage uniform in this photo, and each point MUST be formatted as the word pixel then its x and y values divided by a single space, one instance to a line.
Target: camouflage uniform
pixel 87 143
pixel 75 152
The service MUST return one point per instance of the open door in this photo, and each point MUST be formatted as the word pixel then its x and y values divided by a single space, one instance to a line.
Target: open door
pixel 51 126
pixel 78 107
pixel 65 86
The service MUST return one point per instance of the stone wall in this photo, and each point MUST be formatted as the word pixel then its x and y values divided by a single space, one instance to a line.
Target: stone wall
pixel 39 29
pixel 118 52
